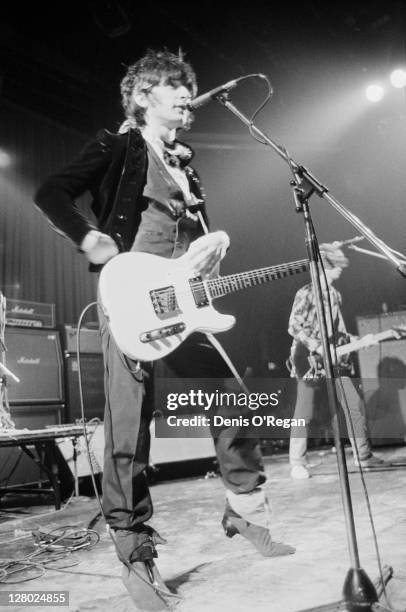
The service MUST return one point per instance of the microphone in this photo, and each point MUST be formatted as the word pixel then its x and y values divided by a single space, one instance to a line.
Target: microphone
pixel 210 95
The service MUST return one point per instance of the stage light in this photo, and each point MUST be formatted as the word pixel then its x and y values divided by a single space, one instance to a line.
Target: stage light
pixel 5 159
pixel 398 78
pixel 374 93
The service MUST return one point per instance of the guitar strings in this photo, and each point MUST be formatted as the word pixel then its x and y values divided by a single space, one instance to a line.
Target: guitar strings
pixel 217 284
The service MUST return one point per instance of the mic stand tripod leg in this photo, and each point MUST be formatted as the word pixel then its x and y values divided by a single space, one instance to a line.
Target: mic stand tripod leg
pixel 75 466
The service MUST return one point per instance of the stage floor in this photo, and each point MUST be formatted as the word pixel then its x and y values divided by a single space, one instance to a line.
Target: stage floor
pixel 217 574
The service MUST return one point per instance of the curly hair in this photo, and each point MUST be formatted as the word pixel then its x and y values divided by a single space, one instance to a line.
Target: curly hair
pixel 156 67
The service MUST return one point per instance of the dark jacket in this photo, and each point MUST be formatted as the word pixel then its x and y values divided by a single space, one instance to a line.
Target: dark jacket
pixel 113 168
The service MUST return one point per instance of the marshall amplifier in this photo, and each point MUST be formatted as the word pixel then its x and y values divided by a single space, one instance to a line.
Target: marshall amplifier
pixel 35 357
pixel 29 314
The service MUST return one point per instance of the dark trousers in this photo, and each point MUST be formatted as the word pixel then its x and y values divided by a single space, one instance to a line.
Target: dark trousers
pixel 129 407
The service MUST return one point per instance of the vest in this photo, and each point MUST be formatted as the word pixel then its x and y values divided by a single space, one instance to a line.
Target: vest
pixel 167 225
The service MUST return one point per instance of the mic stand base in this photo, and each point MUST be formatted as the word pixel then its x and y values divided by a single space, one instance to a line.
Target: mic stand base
pixel 359 593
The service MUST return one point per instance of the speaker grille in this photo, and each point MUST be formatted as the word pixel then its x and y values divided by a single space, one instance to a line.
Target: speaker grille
pixel 383 372
pixel 35 356
pixel 93 386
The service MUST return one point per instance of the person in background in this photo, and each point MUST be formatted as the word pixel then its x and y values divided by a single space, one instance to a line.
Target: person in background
pixel 311 392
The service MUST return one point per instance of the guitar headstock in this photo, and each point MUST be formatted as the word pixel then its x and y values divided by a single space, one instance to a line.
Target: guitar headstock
pixel 399 332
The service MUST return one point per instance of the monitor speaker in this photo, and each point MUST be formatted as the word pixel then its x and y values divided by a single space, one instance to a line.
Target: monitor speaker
pixel 35 357
pixel 172 450
pixel 383 372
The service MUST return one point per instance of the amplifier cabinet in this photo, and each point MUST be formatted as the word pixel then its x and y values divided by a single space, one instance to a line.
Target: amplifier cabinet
pixel 16 468
pixel 37 416
pixel 370 359
pixel 92 371
pixel 35 356
pixel 383 372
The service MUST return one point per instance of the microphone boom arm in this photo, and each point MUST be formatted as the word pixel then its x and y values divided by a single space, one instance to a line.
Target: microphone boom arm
pixel 312 185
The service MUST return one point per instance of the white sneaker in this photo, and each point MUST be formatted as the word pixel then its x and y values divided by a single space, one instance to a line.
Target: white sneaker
pixel 299 472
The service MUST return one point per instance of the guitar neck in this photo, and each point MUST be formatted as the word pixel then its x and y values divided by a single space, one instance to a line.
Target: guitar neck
pixel 358 344
pixel 223 285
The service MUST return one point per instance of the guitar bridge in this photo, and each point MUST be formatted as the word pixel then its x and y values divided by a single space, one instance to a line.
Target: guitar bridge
pixel 162 332
pixel 164 300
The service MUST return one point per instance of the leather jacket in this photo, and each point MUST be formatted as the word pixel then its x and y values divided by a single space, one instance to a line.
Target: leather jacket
pixel 113 168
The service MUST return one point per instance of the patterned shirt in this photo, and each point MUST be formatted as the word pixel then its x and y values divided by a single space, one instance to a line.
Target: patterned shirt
pixel 303 322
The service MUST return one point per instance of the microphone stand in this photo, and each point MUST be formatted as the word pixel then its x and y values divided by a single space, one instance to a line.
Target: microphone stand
pixel 359 593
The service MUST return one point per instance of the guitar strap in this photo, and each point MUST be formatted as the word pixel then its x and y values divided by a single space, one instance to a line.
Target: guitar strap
pixel 213 340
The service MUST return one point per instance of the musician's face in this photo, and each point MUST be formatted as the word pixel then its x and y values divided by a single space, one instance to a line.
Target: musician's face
pixel 333 274
pixel 166 105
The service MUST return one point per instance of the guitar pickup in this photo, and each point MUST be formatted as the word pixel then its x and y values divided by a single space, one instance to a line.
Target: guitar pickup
pixel 199 292
pixel 162 332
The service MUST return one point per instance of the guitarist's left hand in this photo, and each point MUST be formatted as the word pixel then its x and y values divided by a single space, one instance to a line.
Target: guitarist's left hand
pixel 206 252
pixel 369 340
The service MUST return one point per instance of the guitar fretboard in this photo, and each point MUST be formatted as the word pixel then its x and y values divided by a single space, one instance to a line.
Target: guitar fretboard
pixel 223 285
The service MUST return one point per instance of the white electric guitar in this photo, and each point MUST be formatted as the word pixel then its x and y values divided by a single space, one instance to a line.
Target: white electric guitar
pixel 153 304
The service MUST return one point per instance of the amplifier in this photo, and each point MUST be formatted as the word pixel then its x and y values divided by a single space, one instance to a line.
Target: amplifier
pixel 383 371
pixel 92 371
pixel 24 322
pixel 25 314
pixel 16 468
pixel 37 416
pixel 35 356
pixel 90 340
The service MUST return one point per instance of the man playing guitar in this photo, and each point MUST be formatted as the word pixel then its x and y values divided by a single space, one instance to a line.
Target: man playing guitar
pixel 304 327
pixel 147 198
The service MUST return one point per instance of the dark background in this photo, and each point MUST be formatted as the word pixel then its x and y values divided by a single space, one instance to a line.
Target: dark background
pixel 60 68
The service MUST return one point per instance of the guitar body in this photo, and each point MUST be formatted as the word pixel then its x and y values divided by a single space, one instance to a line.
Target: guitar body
pixel 150 306
pixel 310 366
pixel 299 360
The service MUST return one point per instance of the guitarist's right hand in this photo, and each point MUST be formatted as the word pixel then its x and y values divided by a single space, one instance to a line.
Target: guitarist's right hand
pixel 312 344
pixel 98 247
pixel 207 251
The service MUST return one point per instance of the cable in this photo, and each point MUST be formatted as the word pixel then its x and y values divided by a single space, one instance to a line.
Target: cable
pixel 51 547
pixel 260 107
